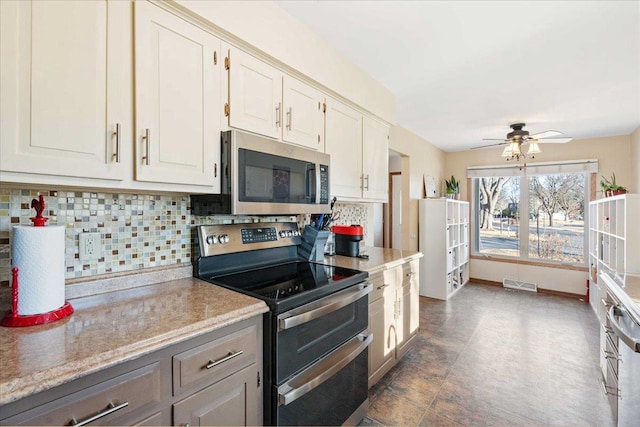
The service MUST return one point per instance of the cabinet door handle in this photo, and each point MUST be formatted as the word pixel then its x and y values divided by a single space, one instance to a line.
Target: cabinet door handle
pixel 411 274
pixel 383 286
pixel 231 355
pixel 367 179
pixel 289 118
pixel 110 409
pixel 147 139
pixel 278 114
pixel 117 150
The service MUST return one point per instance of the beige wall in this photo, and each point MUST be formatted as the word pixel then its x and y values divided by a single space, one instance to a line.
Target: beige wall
pixel 270 29
pixel 422 159
pixel 613 154
pixel 634 179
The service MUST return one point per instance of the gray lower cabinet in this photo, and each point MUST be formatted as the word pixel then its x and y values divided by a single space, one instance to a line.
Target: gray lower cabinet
pixel 212 379
pixel 226 403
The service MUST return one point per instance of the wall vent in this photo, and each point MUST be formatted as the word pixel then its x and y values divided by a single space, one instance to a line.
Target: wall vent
pixel 517 284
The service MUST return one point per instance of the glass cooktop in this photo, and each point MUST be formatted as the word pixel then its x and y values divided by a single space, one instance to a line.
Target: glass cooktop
pixel 289 285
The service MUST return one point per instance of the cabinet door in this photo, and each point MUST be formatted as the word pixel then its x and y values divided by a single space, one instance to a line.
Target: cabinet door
pixel 343 140
pixel 177 100
pixel 65 83
pixel 303 116
pixel 375 160
pixel 230 402
pixel 409 306
pixel 382 348
pixel 255 95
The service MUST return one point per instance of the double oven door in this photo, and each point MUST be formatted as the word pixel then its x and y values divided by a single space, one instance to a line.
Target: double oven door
pixel 318 361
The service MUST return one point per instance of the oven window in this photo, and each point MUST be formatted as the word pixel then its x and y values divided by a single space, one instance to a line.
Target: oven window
pixel 267 178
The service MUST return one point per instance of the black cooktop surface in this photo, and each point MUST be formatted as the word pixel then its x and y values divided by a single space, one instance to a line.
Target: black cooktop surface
pixel 289 285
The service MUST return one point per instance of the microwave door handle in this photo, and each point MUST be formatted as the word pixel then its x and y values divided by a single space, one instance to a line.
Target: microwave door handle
pixel 313 182
pixel 317 183
pixel 631 342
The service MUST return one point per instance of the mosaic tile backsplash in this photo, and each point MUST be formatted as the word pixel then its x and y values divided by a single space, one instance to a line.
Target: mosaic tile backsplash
pixel 137 230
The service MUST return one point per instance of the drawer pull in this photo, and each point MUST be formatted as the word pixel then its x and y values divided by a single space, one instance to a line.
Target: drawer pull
pixel 111 408
pixel 383 286
pixel 229 356
pixel 411 274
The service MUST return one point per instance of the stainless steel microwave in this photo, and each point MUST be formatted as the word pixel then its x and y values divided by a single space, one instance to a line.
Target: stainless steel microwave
pixel 261 176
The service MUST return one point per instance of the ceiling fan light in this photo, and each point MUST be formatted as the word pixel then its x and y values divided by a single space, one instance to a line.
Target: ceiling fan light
pixel 507 151
pixel 533 149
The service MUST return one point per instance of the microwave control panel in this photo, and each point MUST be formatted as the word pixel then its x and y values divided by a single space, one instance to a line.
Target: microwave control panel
pixel 324 184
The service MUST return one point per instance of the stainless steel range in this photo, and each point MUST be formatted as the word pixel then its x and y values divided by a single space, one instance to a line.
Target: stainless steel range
pixel 315 358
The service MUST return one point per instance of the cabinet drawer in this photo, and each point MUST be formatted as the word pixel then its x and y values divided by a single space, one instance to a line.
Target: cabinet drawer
pixel 106 401
pixel 215 360
pixel 386 279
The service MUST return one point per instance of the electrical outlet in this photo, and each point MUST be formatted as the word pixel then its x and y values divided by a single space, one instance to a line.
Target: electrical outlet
pixel 90 246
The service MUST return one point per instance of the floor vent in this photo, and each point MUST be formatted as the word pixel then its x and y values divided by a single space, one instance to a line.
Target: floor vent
pixel 517 284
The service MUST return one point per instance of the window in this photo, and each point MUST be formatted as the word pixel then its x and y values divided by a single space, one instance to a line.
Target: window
pixel 534 212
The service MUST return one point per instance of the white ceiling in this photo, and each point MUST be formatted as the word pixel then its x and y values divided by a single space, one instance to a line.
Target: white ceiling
pixel 465 70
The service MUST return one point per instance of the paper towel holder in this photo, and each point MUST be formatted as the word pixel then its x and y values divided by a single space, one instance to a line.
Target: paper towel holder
pixel 12 318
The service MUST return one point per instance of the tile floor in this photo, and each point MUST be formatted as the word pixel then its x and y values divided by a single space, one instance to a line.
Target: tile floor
pixel 497 357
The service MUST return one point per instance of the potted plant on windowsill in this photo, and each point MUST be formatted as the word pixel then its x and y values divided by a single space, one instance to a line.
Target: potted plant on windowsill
pixel 453 188
pixel 610 188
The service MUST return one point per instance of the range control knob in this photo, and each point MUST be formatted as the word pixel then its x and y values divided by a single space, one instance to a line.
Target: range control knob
pixel 289 233
pixel 296 233
pixel 283 233
pixel 223 238
pixel 212 240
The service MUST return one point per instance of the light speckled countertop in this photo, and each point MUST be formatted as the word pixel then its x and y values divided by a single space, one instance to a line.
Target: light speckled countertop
pixel 112 328
pixel 379 259
pixel 122 325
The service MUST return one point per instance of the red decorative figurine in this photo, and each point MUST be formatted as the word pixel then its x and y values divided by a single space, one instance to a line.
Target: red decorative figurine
pixel 38 205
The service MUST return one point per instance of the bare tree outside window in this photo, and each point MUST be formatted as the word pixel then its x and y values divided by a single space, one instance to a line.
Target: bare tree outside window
pixel 555 209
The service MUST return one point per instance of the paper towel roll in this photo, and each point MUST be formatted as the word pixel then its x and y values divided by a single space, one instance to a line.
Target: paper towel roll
pixel 38 252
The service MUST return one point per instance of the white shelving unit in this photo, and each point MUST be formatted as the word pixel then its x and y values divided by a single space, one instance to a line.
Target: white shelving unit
pixel 614 241
pixel 444 241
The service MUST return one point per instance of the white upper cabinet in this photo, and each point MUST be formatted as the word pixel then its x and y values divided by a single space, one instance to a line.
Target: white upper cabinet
pixel 343 141
pixel 375 160
pixel 264 100
pixel 303 122
pixel 359 148
pixel 177 100
pixel 255 94
pixel 65 84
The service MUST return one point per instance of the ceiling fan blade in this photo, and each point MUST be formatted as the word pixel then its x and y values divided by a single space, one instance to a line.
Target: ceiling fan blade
pixel 490 145
pixel 545 134
pixel 494 139
pixel 554 140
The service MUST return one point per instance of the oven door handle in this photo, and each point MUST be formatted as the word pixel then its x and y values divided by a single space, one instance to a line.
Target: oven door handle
pixel 322 370
pixel 323 306
pixel 614 311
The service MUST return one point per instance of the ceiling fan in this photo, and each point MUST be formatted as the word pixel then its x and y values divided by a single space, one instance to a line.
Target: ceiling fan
pixel 518 136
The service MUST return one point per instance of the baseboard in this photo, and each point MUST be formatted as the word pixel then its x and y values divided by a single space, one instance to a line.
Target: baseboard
pixel 540 290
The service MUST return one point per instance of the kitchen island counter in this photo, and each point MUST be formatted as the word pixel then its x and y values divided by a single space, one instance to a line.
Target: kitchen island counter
pixel 112 328
pixel 379 259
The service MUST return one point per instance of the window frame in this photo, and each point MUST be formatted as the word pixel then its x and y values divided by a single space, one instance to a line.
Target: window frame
pixel 523 242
